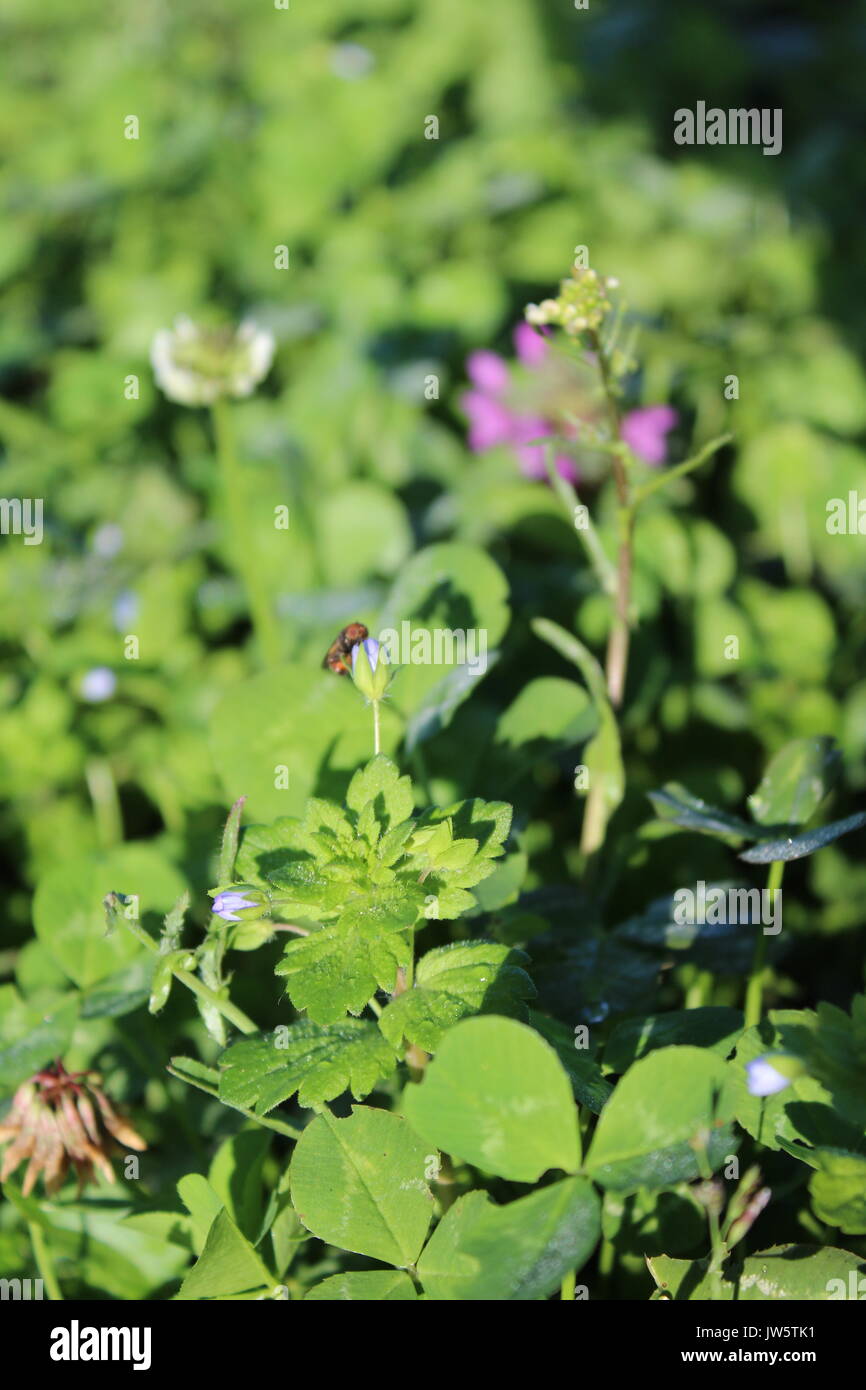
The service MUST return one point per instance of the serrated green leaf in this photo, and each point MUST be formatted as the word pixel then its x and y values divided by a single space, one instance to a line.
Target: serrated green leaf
pixel 267 849
pixel 333 972
pixel 486 822
pixel 359 1184
pixel 451 983
pixel 319 1062
pixel 379 784
pixel 382 909
pixel 309 889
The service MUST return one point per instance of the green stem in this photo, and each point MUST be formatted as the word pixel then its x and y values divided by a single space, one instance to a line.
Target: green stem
pixel 606 1265
pixel 106 806
pixel 588 536
pixel 754 1004
pixel 44 1263
pixel 681 469
pixel 377 730
pixel 616 663
pixel 719 1251
pixel 700 990
pixel 278 1126
pixel 224 1006
pixel 243 545
pixel 566 1288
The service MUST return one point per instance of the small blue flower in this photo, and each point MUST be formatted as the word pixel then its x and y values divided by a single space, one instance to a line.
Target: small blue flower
pixel 98 684
pixel 763 1079
pixel 233 904
pixel 125 610
pixel 370 668
pixel 371 647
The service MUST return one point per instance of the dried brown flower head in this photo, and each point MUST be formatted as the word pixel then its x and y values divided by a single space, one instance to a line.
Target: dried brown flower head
pixel 53 1123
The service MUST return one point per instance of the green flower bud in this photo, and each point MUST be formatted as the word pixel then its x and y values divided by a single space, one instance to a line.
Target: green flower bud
pixel 370 668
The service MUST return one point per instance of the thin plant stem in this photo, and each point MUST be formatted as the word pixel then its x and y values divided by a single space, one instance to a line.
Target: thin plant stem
pixel 106 805
pixel 566 1288
pixel 266 1121
pixel 223 1006
pixel 616 664
pixel 377 729
pixel 44 1262
pixel 754 1004
pixel 243 545
pixel 718 1249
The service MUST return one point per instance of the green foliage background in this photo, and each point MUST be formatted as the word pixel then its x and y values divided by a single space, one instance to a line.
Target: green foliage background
pixel 304 128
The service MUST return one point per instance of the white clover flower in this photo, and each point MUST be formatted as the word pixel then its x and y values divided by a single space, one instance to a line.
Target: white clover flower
pixel 196 366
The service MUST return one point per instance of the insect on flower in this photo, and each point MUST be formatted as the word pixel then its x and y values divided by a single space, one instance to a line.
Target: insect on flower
pixel 338 657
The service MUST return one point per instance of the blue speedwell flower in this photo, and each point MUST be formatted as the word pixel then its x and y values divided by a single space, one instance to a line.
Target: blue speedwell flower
pixel 244 902
pixel 98 684
pixel 767 1075
pixel 370 668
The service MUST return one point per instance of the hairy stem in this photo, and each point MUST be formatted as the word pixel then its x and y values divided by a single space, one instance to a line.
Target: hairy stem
pixel 223 1006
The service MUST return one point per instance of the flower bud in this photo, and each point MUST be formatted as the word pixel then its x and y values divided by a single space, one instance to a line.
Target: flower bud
pixel 250 935
pixel 370 668
pixel 240 903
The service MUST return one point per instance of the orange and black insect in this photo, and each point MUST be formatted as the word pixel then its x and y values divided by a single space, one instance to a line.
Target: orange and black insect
pixel 338 657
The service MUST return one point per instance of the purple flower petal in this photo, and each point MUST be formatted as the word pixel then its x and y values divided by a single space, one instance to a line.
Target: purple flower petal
pixel 227 904
pixel 490 422
pixel 529 345
pixel 645 431
pixel 525 428
pixel 371 647
pixel 488 371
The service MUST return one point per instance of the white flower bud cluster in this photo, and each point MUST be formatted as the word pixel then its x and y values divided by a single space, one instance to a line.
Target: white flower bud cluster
pixel 580 306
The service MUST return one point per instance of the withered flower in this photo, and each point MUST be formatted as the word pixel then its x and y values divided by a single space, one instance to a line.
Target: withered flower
pixel 53 1123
